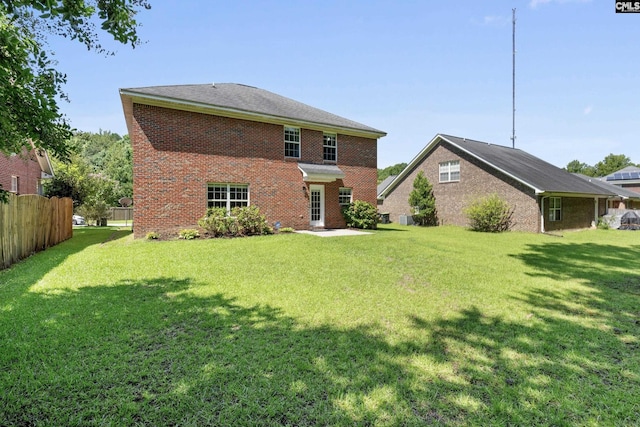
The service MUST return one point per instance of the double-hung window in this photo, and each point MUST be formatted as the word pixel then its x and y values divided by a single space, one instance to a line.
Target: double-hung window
pixel 291 142
pixel 555 208
pixel 330 147
pixel 227 196
pixel 14 184
pixel 344 196
pixel 450 171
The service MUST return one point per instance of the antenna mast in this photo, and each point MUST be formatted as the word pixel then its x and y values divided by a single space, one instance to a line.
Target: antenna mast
pixel 513 120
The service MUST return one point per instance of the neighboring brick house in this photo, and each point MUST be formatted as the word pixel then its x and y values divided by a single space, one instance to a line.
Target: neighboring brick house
pixel 627 178
pixel 23 173
pixel 226 145
pixel 543 197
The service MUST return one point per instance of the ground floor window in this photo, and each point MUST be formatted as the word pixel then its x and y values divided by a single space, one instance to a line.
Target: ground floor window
pixel 14 184
pixel 344 197
pixel 228 196
pixel 555 208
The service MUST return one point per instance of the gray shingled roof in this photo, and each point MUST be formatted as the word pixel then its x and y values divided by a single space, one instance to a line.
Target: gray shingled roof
pixel 385 183
pixel 541 176
pixel 616 189
pixel 531 170
pixel 249 99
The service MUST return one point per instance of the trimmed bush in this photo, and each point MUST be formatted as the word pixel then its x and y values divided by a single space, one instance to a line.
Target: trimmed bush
pixel 361 214
pixel 189 234
pixel 244 221
pixel 152 235
pixel 489 214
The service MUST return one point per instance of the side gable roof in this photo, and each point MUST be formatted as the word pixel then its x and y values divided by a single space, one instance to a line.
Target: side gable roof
pixel 247 102
pixel 542 177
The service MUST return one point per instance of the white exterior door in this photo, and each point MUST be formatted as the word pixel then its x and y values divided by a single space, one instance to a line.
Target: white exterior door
pixel 316 205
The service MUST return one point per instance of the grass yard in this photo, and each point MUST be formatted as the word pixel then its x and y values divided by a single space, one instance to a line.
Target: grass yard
pixel 404 327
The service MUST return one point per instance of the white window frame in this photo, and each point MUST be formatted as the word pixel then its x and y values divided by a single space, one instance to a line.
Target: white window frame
pixel 555 209
pixel 449 171
pixel 342 195
pixel 330 143
pixel 291 139
pixel 15 184
pixel 228 201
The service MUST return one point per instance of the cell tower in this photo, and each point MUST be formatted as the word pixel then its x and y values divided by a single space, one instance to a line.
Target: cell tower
pixel 513 79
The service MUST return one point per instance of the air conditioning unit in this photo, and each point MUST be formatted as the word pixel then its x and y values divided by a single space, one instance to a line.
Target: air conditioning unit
pixel 406 220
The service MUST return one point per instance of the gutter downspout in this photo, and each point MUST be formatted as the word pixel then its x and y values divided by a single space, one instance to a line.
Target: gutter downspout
pixel 542 214
pixel 595 220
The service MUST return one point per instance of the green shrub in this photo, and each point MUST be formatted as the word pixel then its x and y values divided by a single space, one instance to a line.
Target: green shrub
pixel 250 221
pixel 604 223
pixel 152 235
pixel 489 214
pixel 244 221
pixel 189 234
pixel 286 230
pixel 361 214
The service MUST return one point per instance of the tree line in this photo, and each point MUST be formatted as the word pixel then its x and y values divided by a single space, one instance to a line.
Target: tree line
pixel 97 174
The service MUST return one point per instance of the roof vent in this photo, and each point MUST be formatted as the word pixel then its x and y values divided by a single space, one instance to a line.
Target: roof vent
pixel 213 85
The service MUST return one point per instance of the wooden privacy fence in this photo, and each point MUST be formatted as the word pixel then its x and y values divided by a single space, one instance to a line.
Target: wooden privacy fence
pixel 31 223
pixel 121 214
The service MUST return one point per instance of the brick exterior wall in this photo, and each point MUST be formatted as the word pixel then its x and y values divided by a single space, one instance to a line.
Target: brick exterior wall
pixel 26 167
pixel 477 180
pixel 177 153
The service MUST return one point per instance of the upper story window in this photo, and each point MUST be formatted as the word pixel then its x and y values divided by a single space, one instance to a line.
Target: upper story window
pixel 555 208
pixel 344 196
pixel 330 147
pixel 450 171
pixel 14 184
pixel 291 142
pixel 227 196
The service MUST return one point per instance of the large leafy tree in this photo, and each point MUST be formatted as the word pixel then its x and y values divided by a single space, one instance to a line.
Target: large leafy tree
pixel 576 166
pixel 30 86
pixel 612 163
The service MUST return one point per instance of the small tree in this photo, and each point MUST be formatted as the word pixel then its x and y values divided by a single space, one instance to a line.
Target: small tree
pixel 489 214
pixel 422 201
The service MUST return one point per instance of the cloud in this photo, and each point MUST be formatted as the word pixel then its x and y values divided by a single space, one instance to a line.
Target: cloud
pixel 587 110
pixel 535 3
pixel 492 20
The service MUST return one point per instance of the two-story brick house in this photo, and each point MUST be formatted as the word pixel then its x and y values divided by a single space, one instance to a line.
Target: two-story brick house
pixel 543 197
pixel 227 145
pixel 24 173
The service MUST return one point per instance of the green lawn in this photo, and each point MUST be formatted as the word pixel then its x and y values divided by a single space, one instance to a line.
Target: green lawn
pixel 404 327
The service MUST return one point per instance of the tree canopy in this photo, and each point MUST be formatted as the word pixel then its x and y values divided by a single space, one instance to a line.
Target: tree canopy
pixel 611 163
pixel 390 170
pixel 30 86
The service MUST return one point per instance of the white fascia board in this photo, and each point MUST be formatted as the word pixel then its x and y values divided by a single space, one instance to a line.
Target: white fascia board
pixel 417 159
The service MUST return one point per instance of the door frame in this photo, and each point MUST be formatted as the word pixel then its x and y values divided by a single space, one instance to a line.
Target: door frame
pixel 319 189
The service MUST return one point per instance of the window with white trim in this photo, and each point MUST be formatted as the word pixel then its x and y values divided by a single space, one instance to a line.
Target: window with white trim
pixel 291 142
pixel 330 147
pixel 14 184
pixel 227 196
pixel 344 196
pixel 555 208
pixel 450 171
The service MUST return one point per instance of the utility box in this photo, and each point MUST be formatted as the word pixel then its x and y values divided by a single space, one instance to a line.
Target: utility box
pixel 406 220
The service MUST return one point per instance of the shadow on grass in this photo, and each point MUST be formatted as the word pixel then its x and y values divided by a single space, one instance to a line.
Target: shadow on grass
pixel 30 270
pixel 596 264
pixel 154 352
